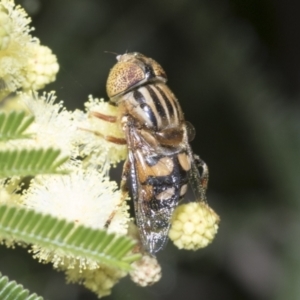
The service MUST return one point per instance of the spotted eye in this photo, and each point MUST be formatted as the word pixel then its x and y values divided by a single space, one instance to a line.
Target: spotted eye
pixel 132 69
pixel 123 76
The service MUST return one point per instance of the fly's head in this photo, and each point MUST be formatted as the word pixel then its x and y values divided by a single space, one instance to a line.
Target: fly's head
pixel 132 70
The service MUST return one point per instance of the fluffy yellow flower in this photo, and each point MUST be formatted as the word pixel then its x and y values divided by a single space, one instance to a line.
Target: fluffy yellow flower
pixel 22 59
pixel 194 226
pixel 53 125
pixel 85 197
pixel 5 29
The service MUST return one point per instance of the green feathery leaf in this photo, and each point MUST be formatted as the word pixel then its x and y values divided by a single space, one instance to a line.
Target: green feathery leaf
pixel 30 162
pixel 55 234
pixel 10 290
pixel 13 125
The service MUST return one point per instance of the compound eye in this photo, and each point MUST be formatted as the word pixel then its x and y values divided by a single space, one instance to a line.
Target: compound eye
pixel 122 77
pixel 190 129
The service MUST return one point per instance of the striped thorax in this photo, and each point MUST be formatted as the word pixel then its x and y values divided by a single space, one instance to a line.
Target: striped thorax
pixel 160 160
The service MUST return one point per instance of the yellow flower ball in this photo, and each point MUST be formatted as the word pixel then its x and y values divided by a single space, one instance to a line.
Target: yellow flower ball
pixel 100 280
pixel 194 226
pixel 42 68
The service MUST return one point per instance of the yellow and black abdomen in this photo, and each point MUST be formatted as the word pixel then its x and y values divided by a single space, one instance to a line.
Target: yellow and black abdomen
pixel 159 183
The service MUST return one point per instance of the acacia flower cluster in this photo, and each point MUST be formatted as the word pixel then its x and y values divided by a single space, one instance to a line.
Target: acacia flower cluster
pixel 86 195
pixel 24 63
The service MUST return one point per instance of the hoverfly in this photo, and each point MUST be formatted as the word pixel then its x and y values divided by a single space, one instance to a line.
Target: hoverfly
pixel 160 161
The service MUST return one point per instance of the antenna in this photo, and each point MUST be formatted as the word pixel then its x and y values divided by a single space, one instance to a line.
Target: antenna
pixel 111 52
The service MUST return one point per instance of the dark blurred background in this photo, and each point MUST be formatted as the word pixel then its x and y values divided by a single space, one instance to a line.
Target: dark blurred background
pixel 234 66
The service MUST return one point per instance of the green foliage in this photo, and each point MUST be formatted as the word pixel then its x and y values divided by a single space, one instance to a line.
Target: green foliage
pixel 24 162
pixel 30 162
pixel 13 125
pixel 65 237
pixel 10 290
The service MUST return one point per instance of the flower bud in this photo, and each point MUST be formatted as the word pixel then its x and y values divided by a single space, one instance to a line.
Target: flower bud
pixel 146 271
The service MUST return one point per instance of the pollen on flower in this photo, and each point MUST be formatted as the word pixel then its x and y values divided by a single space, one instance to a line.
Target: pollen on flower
pixel 5 30
pixel 62 261
pixel 53 126
pixel 94 131
pixel 85 197
pixel 194 226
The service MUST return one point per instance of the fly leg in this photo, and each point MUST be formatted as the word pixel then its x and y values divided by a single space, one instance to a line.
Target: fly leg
pixel 124 191
pixel 110 119
pixel 107 118
pixel 126 166
pixel 109 138
pixel 204 174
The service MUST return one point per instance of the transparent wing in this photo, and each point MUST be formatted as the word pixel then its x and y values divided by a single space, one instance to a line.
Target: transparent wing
pixel 198 182
pixel 156 183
